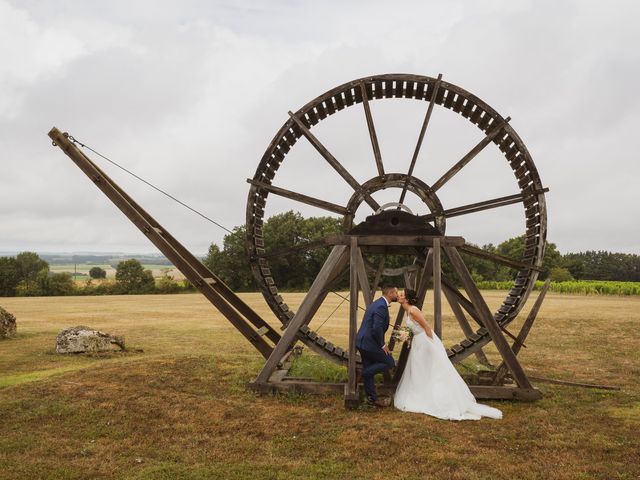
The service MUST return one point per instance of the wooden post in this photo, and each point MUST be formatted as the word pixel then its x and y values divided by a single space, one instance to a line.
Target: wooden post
pixel 437 290
pixel 351 398
pixel 487 319
pixel 501 371
pixel 334 263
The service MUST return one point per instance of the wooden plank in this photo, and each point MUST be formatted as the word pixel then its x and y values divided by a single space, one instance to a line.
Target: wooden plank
pixel 437 289
pixel 425 124
pixel 448 175
pixel 372 130
pixel 299 197
pixel 487 318
pixel 334 264
pixel 337 166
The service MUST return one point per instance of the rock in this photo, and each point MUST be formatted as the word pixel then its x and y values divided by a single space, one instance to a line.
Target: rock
pixel 7 324
pixel 85 339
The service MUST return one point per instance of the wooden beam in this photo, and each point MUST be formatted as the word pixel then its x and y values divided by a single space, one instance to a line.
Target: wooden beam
pixel 437 290
pixel 487 318
pixel 376 280
pixel 501 259
pixel 337 166
pixel 464 323
pixel 501 371
pixel 299 197
pixel 303 247
pixel 425 124
pixel 372 130
pixel 351 391
pixel 335 262
pixel 469 156
pixel 395 240
pixel 362 276
pixel 484 205
pixel 212 287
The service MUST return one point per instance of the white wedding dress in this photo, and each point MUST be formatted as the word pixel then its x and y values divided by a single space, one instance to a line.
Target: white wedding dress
pixel 430 383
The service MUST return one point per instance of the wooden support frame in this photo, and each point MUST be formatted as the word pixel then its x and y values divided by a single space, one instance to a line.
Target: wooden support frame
pixel 489 322
pixel 333 266
pixel 502 370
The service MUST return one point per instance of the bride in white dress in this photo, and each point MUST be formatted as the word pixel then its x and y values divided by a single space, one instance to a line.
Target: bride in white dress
pixel 430 383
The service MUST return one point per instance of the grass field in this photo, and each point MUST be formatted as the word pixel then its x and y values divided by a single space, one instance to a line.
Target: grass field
pixel 179 409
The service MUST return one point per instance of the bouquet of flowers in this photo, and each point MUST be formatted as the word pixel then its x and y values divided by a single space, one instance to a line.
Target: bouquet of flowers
pixel 401 334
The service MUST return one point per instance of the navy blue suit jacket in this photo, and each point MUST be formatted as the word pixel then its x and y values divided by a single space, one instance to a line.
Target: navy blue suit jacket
pixel 374 324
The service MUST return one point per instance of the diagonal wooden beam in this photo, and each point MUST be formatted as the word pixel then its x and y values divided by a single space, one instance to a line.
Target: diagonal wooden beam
pixel 372 130
pixel 489 322
pixel 335 263
pixel 463 322
pixel 471 155
pixel 501 371
pixel 337 166
pixel 299 197
pixel 425 124
pixel 362 277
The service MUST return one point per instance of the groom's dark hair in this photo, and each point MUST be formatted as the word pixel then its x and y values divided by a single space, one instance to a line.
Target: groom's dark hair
pixel 387 287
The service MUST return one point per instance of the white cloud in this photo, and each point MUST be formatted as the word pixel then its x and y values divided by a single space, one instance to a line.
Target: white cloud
pixel 189 94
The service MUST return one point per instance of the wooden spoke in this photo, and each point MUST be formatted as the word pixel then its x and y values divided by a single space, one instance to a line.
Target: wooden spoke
pixel 484 205
pixel 510 262
pixel 372 130
pixel 302 247
pixel 471 155
pixel 299 197
pixel 425 123
pixel 337 166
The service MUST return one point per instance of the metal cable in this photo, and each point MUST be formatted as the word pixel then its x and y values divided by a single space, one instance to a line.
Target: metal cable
pixel 150 184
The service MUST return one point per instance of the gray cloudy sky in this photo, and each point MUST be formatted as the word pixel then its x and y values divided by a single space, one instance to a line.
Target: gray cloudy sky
pixel 188 95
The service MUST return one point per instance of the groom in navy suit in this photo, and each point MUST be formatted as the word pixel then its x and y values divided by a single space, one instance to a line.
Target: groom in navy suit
pixel 370 342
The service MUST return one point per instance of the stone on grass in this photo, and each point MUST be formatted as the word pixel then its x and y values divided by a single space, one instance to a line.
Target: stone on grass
pixel 7 324
pixel 86 339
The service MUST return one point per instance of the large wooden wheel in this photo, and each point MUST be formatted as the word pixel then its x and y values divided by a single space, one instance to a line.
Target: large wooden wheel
pixel 433 92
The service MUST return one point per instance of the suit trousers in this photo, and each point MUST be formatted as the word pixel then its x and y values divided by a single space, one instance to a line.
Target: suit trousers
pixel 372 363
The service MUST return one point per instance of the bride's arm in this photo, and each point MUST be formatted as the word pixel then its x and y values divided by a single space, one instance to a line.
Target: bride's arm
pixel 416 314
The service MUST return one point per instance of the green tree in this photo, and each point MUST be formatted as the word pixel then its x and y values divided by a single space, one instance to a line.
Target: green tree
pixel 560 274
pixel 29 265
pixel 97 272
pixel 132 278
pixel 60 284
pixel 9 276
pixel 166 284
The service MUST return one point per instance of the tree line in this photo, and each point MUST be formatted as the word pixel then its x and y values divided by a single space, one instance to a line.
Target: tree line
pixel 297 270
pixel 28 275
